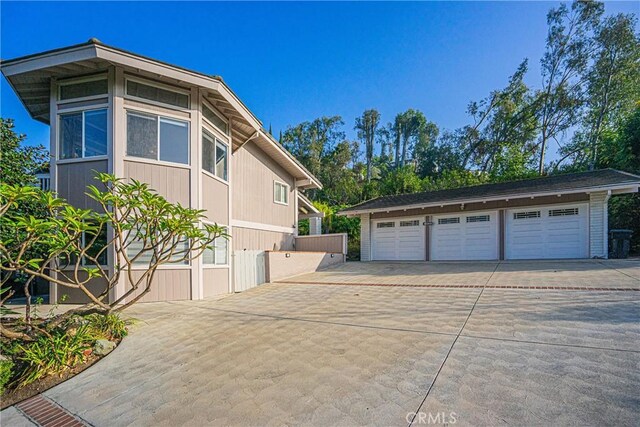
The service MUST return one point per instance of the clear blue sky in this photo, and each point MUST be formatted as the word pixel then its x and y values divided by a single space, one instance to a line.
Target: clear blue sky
pixel 291 62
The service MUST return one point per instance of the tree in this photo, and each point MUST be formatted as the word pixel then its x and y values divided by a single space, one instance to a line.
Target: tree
pixel 400 181
pixel 367 127
pixel 137 225
pixel 426 140
pixel 563 66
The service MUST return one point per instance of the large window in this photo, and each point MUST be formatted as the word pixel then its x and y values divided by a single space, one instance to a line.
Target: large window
pixel 280 193
pixel 157 138
pixel 83 134
pixel 217 254
pixel 157 94
pixel 214 156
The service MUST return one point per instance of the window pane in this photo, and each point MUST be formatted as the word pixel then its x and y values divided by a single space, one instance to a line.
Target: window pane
pixel 221 160
pixel 180 251
pixel 208 256
pixel 80 90
pixel 95 133
pixel 174 141
pixel 142 136
pixel 221 251
pixel 157 94
pixel 285 194
pixel 215 119
pixel 70 136
pixel 208 153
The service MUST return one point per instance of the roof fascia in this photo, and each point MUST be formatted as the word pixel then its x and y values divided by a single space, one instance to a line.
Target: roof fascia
pixel 49 59
pixel 618 189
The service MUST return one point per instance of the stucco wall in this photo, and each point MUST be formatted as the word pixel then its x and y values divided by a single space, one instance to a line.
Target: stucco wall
pixel 279 266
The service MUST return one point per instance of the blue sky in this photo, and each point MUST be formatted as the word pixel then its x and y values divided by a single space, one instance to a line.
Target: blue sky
pixel 291 62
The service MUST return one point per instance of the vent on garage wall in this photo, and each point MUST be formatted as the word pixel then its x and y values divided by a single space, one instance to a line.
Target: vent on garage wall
pixel 409 223
pixel 563 212
pixel 478 218
pixel 385 225
pixel 525 215
pixel 454 220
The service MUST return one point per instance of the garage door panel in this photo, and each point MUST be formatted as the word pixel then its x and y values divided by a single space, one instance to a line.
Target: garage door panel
pixel 469 236
pixel 399 239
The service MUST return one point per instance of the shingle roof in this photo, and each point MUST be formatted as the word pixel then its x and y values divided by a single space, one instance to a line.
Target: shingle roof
pixel 548 184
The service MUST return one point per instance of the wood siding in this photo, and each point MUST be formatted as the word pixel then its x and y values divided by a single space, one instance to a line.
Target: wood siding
pixel 336 243
pixel 215 281
pixel 495 205
pixel 75 296
pixel 73 179
pixel 170 182
pixel 252 239
pixel 253 175
pixel 168 285
pixel 215 200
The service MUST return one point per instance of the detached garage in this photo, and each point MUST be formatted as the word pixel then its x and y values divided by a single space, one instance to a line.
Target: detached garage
pixel 555 217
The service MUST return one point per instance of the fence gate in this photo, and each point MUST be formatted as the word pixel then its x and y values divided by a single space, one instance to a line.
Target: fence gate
pixel 249 268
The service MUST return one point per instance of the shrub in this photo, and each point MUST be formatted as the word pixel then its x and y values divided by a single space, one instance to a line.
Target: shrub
pixel 107 325
pixel 6 367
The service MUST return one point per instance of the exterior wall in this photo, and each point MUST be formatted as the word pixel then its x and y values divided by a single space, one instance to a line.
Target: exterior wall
pixel 336 243
pixel 252 239
pixel 75 296
pixel 73 178
pixel 279 266
pixel 215 200
pixel 215 281
pixel 496 205
pixel 365 237
pixel 315 225
pixel 252 177
pixel 598 225
pixel 168 285
pixel 172 182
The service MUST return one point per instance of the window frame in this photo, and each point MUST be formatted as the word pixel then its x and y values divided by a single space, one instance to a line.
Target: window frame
pixel 214 265
pixel 286 186
pixel 159 118
pixel 158 85
pixel 216 140
pixel 59 139
pixel 76 80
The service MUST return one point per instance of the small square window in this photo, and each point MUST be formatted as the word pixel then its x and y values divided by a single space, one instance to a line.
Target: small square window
pixel 280 193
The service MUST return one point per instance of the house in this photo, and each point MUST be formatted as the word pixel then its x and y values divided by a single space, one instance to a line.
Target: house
pixel 553 217
pixel 187 135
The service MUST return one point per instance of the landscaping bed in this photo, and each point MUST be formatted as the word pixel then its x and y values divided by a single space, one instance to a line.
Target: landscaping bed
pixel 48 352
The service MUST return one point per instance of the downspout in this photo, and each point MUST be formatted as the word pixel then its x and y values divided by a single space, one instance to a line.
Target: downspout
pixel 605 226
pixel 255 135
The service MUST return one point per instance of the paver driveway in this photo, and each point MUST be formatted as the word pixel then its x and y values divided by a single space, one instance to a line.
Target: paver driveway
pixel 291 354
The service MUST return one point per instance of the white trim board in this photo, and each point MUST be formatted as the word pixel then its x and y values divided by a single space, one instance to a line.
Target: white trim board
pixel 261 226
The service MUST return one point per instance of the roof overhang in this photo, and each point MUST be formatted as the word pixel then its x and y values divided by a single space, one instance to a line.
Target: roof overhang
pixel 30 77
pixel 306 208
pixel 612 189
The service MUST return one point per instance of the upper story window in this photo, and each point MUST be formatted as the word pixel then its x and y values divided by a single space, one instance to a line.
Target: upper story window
pixel 215 119
pixel 280 193
pixel 157 138
pixel 83 134
pixel 82 88
pixel 214 156
pixel 157 93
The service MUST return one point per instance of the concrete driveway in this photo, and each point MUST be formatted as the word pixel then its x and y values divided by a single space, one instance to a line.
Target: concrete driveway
pixel 356 354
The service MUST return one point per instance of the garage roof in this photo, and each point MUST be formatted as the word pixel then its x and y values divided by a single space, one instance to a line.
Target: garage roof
pixel 604 179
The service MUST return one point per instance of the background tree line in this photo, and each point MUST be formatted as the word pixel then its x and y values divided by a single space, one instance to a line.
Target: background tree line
pixel 588 105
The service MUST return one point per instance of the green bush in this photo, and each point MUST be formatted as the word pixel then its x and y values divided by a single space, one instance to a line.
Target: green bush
pixel 107 325
pixel 54 353
pixel 6 367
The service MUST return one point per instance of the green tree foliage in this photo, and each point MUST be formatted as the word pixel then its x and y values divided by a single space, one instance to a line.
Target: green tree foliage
pixel 19 163
pixel 367 126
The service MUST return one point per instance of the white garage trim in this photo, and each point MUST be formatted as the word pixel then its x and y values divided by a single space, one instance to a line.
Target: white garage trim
pixel 465 236
pixel 547 232
pixel 398 239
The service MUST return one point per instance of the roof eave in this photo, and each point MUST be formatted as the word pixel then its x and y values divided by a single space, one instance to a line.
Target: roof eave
pixel 632 187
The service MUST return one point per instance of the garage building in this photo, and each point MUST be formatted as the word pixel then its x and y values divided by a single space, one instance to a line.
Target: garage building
pixel 554 217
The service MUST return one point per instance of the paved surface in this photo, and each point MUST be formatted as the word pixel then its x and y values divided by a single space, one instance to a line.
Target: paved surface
pixel 291 354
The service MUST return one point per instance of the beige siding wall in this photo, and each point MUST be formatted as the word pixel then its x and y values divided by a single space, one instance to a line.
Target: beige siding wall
pixel 252 175
pixel 502 204
pixel 170 182
pixel 365 237
pixel 73 179
pixel 336 243
pixel 168 285
pixel 75 296
pixel 598 227
pixel 252 239
pixel 215 200
pixel 279 266
pixel 215 281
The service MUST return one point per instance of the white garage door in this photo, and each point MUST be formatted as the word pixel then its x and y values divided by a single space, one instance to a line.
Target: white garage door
pixel 398 240
pixel 547 232
pixel 471 236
